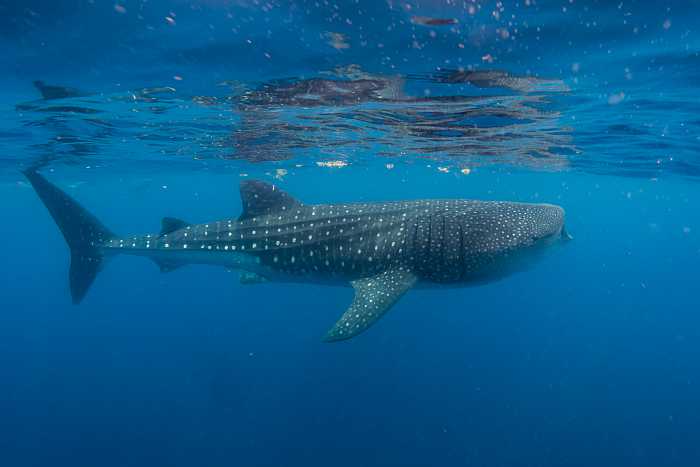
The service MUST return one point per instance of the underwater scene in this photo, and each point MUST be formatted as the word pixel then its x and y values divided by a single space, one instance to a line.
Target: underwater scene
pixel 350 233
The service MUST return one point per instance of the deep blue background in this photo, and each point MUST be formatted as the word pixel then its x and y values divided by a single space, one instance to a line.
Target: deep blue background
pixel 590 358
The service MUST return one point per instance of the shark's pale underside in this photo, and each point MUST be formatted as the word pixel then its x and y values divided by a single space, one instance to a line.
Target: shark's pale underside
pixel 381 249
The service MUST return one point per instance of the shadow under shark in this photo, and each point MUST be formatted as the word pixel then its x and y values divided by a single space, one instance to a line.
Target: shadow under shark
pixel 381 249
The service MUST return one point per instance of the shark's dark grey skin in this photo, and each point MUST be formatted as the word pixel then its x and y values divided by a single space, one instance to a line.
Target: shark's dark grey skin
pixel 381 249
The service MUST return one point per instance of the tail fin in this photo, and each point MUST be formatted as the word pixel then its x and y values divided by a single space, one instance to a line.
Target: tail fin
pixel 82 231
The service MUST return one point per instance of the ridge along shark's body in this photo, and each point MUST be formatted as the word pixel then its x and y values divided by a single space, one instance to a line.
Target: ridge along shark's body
pixel 381 249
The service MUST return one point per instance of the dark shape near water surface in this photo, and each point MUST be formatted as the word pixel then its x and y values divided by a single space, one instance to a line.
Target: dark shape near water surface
pixel 49 92
pixel 430 21
pixel 381 249
pixel 355 110
pixel 322 92
pixel 499 79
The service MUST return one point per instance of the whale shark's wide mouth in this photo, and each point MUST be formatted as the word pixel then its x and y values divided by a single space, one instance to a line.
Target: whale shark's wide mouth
pixel 565 235
pixel 552 237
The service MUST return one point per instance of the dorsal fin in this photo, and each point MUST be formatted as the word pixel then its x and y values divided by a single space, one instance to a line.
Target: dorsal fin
pixel 55 92
pixel 262 198
pixel 171 224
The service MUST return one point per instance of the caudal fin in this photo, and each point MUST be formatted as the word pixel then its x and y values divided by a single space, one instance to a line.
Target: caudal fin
pixel 83 232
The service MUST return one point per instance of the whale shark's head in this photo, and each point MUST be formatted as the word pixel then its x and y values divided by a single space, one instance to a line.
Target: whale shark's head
pixel 500 238
pixel 506 227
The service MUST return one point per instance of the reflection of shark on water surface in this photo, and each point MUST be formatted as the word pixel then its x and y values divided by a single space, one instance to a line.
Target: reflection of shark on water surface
pixel 381 249
pixel 351 86
pixel 324 92
pixel 49 92
pixel 448 116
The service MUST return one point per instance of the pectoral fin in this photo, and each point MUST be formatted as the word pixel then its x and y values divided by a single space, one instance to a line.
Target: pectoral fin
pixel 373 297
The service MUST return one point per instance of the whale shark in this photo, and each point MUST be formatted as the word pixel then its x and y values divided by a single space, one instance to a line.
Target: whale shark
pixel 382 250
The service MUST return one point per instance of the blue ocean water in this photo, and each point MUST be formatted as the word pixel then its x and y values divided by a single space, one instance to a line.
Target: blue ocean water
pixel 152 109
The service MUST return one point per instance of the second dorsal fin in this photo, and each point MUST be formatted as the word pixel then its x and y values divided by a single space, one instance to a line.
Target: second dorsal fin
pixel 262 198
pixel 171 224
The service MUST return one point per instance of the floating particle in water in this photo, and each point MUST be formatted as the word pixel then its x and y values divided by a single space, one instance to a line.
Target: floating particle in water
pixel 390 166
pixel 466 171
pixel 444 169
pixel 157 90
pixel 336 40
pixel 177 78
pixel 686 230
pixel 430 21
pixel 119 8
pixel 170 20
pixel 575 67
pixel 487 58
pixel 667 24
pixel 280 173
pixel 336 164
pixel 615 99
